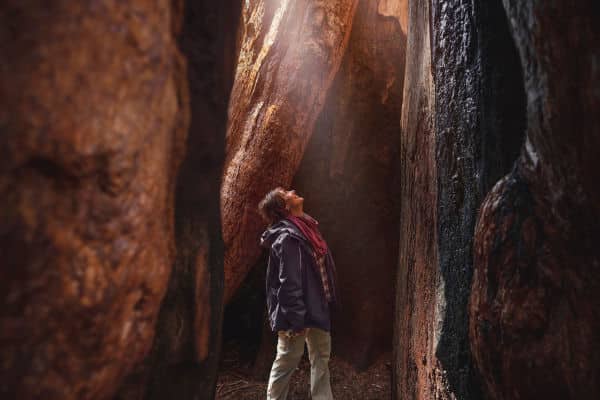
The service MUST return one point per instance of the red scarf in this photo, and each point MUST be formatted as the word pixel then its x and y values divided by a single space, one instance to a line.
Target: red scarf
pixel 310 229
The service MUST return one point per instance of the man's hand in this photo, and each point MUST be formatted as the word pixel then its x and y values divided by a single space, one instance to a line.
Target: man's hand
pixel 290 333
pixel 301 332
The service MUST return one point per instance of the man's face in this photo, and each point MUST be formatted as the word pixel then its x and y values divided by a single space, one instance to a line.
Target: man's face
pixel 292 200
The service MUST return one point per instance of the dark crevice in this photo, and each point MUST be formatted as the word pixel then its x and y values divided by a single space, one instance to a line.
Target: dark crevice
pixel 244 317
pixel 208 42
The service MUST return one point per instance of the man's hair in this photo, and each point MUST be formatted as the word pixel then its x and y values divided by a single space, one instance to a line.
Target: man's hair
pixel 272 206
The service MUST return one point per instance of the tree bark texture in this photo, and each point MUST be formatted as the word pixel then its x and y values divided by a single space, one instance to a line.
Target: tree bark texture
pixel 463 92
pixel 93 121
pixel 534 311
pixel 414 332
pixel 349 176
pixel 289 54
pixel 185 359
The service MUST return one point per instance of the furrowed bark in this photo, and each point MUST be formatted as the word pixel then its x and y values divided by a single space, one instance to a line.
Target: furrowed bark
pixel 289 55
pixel 93 120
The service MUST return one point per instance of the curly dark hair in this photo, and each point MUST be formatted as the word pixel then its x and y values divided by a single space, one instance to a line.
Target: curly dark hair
pixel 272 206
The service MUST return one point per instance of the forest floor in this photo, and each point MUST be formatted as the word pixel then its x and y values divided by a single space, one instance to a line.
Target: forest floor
pixel 237 380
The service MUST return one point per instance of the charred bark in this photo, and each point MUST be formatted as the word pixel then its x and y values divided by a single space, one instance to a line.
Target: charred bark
pixel 455 144
pixel 479 123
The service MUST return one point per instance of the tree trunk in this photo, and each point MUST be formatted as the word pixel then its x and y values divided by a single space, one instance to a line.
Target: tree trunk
pixel 185 359
pixel 535 301
pixel 290 53
pixel 349 177
pixel 93 118
pixel 417 272
pixel 462 126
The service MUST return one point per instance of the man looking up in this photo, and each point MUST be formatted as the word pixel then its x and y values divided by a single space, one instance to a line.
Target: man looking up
pixel 300 286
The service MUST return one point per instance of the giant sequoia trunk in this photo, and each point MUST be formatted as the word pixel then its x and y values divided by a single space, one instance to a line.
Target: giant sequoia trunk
pixel 349 177
pixel 114 273
pixel 93 120
pixel 462 124
pixel 290 52
pixel 184 361
pixel 417 273
pixel 535 304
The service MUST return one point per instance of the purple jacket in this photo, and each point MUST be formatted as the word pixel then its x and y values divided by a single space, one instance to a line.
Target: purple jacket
pixel 295 295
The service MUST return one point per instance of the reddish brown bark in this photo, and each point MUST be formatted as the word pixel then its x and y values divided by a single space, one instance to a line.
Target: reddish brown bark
pixel 289 56
pixel 93 121
pixel 535 300
pixel 349 178
pixel 417 369
pixel 185 357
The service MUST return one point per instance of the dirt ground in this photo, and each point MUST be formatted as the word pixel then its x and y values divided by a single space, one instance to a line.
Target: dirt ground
pixel 236 382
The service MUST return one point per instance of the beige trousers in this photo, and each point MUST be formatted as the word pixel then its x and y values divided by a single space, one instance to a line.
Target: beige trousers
pixel 289 353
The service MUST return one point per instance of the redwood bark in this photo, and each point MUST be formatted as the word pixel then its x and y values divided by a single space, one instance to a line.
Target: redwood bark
pixel 93 116
pixel 349 176
pixel 535 300
pixel 185 358
pixel 417 273
pixel 290 53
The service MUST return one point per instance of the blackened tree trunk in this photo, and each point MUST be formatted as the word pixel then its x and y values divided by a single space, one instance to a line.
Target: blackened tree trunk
pixel 463 94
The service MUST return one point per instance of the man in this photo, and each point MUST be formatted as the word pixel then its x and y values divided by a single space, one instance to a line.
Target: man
pixel 300 291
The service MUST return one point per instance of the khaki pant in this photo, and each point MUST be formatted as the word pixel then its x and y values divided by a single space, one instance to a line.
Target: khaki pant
pixel 289 353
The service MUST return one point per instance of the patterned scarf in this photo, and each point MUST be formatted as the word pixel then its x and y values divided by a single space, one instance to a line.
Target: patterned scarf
pixel 310 229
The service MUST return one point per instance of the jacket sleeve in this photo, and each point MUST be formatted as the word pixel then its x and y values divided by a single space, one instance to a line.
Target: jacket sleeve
pixel 290 296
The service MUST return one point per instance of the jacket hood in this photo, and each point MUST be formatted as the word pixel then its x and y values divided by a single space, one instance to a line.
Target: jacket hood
pixel 274 231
